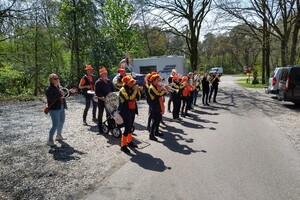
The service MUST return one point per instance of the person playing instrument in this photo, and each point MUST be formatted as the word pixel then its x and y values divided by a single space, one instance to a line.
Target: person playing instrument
pixel 156 93
pixel 214 86
pixel 191 94
pixel 176 96
pixel 170 80
pixel 87 83
pixel 128 95
pixel 118 82
pixel 148 83
pixel 103 86
pixel 205 89
pixel 186 96
pixel 198 88
pixel 57 105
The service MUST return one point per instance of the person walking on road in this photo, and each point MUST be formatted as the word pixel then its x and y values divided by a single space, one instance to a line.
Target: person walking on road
pixel 214 87
pixel 103 87
pixel 205 89
pixel 87 83
pixel 57 105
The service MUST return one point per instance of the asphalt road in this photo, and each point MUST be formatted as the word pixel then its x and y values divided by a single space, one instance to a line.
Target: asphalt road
pixel 231 150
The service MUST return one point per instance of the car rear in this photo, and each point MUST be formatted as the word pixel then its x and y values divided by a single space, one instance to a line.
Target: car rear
pixel 274 81
pixel 289 86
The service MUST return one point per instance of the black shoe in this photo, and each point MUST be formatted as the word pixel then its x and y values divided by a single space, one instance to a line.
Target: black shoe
pixel 187 114
pixel 215 101
pixel 169 111
pixel 152 137
pixel 163 123
pixel 207 104
pixel 84 123
pixel 159 134
pixel 132 145
pixel 125 149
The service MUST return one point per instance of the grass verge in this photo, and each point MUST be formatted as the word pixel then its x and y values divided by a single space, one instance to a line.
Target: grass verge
pixel 243 83
pixel 22 97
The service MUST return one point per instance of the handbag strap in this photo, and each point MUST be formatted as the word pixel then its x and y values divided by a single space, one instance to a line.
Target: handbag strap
pixel 52 103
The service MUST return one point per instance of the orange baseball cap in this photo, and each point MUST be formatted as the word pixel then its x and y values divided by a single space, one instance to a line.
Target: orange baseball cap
pixel 88 67
pixel 148 76
pixel 120 70
pixel 184 78
pixel 175 77
pixel 132 80
pixel 102 70
pixel 126 79
pixel 152 73
pixel 154 77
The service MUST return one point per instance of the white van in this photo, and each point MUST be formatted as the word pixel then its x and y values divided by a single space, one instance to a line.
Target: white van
pixel 274 81
pixel 219 70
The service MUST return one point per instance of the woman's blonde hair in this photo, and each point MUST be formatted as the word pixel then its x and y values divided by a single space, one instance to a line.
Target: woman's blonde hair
pixel 51 76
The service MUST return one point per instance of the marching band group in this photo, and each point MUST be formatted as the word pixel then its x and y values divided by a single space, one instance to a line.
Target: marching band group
pixel 183 92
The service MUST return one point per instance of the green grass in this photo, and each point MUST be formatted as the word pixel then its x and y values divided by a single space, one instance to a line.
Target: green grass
pixel 243 83
pixel 21 97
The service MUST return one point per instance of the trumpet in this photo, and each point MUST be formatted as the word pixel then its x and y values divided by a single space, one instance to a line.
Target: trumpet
pixel 168 88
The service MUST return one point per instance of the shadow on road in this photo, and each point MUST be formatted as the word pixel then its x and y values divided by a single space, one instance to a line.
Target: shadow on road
pixel 65 152
pixel 148 162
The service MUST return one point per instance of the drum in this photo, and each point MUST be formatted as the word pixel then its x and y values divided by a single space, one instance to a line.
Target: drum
pixel 112 102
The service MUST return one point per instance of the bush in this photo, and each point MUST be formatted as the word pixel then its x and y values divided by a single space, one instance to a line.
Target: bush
pixel 255 81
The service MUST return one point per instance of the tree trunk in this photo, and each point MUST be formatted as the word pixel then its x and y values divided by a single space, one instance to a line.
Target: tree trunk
pixel 295 35
pixel 264 42
pixel 268 52
pixel 36 78
pixel 76 42
pixel 283 52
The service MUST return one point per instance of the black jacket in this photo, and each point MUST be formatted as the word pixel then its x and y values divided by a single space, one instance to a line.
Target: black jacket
pixel 102 89
pixel 205 84
pixel 53 95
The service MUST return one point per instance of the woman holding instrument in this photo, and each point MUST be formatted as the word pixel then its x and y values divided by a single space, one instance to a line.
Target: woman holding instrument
pixel 176 96
pixel 186 96
pixel 128 95
pixel 57 105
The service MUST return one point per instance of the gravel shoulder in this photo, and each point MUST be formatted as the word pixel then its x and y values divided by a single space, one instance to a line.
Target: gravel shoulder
pixel 31 170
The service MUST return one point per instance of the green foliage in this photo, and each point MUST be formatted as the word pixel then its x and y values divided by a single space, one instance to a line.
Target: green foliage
pixel 243 82
pixel 11 81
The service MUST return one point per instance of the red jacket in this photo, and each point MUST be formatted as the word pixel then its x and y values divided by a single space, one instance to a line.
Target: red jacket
pixel 187 90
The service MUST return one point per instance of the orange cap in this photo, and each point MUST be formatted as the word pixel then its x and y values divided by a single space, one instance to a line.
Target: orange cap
pixel 102 70
pixel 175 77
pixel 88 67
pixel 148 76
pixel 120 70
pixel 154 77
pixel 152 73
pixel 132 80
pixel 126 79
pixel 184 78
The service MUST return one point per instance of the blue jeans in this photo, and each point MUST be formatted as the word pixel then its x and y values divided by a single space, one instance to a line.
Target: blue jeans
pixel 58 120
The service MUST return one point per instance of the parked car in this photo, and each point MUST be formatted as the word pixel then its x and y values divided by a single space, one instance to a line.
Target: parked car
pixel 289 84
pixel 219 70
pixel 274 81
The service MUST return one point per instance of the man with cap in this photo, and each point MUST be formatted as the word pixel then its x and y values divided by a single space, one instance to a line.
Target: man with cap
pixel 118 79
pixel 156 93
pixel 176 96
pixel 170 80
pixel 128 95
pixel 103 87
pixel 214 80
pixel 87 83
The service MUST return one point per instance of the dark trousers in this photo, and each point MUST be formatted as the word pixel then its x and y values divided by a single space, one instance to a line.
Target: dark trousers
pixel 101 107
pixel 205 96
pixel 213 89
pixel 176 106
pixel 128 122
pixel 169 103
pixel 149 118
pixel 156 118
pixel 88 99
pixel 190 101
pixel 185 103
pixel 196 92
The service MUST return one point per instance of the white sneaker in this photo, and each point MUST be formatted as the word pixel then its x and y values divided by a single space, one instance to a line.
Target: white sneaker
pixel 59 138
pixel 51 143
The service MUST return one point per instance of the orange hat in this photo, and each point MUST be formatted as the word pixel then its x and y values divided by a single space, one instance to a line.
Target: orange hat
pixel 154 77
pixel 175 77
pixel 126 79
pixel 132 80
pixel 152 73
pixel 88 67
pixel 102 70
pixel 120 70
pixel 148 76
pixel 184 78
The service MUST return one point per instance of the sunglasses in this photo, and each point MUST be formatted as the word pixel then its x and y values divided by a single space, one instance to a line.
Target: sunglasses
pixel 55 79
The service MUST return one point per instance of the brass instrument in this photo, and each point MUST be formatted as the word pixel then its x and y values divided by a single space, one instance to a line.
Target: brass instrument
pixel 168 88
pixel 67 92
